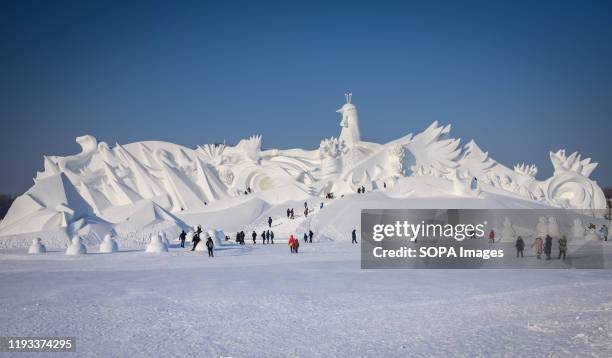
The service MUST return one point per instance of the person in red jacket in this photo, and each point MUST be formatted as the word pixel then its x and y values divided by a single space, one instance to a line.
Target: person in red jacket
pixel 492 236
pixel 291 243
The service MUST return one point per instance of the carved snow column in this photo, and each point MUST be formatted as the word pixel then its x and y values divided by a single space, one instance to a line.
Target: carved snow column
pixel 350 134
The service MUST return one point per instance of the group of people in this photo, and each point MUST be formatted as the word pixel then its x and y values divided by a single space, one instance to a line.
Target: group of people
pixel 267 236
pixel 210 245
pixel 308 236
pixel 361 190
pixel 542 246
pixel 294 244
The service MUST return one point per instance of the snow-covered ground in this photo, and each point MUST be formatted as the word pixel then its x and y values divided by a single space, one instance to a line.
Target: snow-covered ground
pixel 261 301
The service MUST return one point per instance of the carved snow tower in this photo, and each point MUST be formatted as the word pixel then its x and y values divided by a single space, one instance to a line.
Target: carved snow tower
pixel 350 122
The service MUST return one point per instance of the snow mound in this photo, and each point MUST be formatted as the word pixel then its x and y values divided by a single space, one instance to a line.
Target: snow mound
pixel 156 245
pixel 37 247
pixel 76 247
pixel 108 245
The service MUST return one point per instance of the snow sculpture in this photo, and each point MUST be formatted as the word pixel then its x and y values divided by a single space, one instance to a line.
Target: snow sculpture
pixel 76 247
pixel 526 170
pixel 250 148
pixel 553 227
pixel 330 151
pixel 508 233
pixel 164 238
pixel 108 245
pixel 37 247
pixel 213 152
pixel 349 134
pixel 140 185
pixel 397 153
pixel 542 227
pixel 577 229
pixel 156 245
pixel 570 186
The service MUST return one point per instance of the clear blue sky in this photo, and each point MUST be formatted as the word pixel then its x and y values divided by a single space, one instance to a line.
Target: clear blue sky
pixel 521 78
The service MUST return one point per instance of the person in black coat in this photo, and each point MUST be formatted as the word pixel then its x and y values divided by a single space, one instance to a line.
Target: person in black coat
pixel 305 237
pixel 182 237
pixel 210 245
pixel 310 235
pixel 272 236
pixel 354 236
pixel 520 246
pixel 270 221
pixel 263 237
pixel 195 240
pixel 254 235
pixel 548 246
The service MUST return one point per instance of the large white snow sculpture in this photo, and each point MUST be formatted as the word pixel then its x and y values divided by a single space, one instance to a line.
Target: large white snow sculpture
pixel 156 245
pixel 156 185
pixel 37 247
pixel 76 247
pixel 108 245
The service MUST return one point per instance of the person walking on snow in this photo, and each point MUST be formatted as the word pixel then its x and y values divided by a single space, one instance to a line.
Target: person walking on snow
pixel 491 236
pixel 291 243
pixel 182 238
pixel 254 235
pixel 270 221
pixel 288 213
pixel 195 240
pixel 306 212
pixel 271 237
pixel 263 237
pixel 310 235
pixel 321 206
pixel 354 237
pixel 268 236
pixel 305 238
pixel 520 246
pixel 604 232
pixel 548 247
pixel 538 243
pixel 296 245
pixel 562 247
pixel 210 245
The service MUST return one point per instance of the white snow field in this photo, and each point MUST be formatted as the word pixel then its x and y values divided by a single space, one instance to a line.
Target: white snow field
pixel 262 301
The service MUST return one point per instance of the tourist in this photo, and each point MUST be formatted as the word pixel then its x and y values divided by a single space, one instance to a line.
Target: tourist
pixel 263 237
pixel 548 247
pixel 210 245
pixel 271 237
pixel 269 221
pixel 562 247
pixel 305 238
pixel 604 232
pixel 520 246
pixel 195 240
pixel 254 235
pixel 491 236
pixel 306 212
pixel 182 238
pixel 321 206
pixel 288 213
pixel 310 235
pixel 268 236
pixel 291 243
pixel 538 243
pixel 354 237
